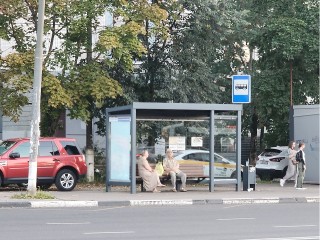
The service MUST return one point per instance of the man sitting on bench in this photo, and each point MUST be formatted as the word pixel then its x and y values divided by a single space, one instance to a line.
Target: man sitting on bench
pixel 171 166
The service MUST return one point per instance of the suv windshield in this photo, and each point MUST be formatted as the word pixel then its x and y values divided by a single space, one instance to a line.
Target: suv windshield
pixel 5 146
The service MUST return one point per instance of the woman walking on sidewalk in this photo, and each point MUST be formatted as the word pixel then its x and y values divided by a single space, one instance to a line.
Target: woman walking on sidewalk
pixel 292 165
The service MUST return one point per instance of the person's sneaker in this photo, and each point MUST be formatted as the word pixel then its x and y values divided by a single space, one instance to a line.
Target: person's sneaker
pixel 282 182
pixel 183 190
pixel 300 188
pixel 173 190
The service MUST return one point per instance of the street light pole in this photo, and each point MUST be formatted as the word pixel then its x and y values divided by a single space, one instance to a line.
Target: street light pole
pixel 36 98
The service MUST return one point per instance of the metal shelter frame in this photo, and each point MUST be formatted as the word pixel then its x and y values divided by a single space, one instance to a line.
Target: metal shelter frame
pixel 174 112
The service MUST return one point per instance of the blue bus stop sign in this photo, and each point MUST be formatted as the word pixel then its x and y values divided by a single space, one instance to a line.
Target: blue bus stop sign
pixel 241 89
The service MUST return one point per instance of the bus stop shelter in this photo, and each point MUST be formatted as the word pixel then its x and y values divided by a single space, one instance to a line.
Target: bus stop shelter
pixel 121 134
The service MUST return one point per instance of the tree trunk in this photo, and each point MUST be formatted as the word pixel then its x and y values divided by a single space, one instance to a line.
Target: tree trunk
pixel 253 141
pixel 89 151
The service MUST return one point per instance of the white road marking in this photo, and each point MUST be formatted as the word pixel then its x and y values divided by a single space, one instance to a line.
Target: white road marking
pixel 70 223
pixel 92 233
pixel 295 226
pixel 232 219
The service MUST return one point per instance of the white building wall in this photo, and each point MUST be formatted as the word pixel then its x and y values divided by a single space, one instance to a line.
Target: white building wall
pixel 306 129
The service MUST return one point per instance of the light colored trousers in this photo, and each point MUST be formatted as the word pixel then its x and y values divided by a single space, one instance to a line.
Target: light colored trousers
pixel 291 173
pixel 181 175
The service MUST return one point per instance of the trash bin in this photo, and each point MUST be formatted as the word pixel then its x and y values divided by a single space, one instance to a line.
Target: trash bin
pixel 249 178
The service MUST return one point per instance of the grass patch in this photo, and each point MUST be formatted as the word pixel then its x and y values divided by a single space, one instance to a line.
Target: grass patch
pixel 39 195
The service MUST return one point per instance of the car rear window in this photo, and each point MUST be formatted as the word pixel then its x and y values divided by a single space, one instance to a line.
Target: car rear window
pixel 71 147
pixel 270 152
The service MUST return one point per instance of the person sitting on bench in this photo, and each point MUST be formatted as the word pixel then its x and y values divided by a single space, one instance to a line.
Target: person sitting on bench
pixel 149 176
pixel 171 166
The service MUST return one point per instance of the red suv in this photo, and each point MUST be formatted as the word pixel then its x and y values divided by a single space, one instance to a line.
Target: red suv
pixel 59 161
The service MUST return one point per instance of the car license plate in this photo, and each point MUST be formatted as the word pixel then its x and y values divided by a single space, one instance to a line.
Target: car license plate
pixel 264 162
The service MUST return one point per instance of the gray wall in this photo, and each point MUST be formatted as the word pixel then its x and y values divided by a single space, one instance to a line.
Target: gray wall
pixel 22 128
pixel 77 129
pixel 306 129
pixel 11 129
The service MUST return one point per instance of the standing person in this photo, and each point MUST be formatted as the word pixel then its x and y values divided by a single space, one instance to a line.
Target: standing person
pixel 149 176
pixel 292 165
pixel 171 166
pixel 301 159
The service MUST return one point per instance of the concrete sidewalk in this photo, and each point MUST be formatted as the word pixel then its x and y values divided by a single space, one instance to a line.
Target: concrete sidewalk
pixel 265 193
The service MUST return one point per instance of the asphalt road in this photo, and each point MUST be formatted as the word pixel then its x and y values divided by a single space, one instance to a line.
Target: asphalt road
pixel 212 222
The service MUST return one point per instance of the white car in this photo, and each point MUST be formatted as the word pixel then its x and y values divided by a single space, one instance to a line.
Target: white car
pixel 223 167
pixel 272 163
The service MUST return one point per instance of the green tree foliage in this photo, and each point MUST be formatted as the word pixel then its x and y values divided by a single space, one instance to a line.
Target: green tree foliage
pixel 178 50
pixel 71 79
pixel 286 35
pixel 207 50
pixel 188 57
pixel 189 54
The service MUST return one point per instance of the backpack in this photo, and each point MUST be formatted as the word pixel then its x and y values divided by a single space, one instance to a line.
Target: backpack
pixel 299 156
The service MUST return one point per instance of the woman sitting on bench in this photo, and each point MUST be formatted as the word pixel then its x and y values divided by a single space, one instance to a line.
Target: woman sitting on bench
pixel 149 176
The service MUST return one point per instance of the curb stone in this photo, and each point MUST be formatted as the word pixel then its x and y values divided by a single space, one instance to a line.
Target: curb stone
pixel 250 201
pixel 41 204
pixel 160 202
pixel 114 203
pixel 313 199
pixel 181 202
pixel 15 204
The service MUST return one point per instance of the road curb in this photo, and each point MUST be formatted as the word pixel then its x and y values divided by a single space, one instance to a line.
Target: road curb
pixel 160 202
pixel 251 201
pixel 54 204
pixel 179 202
pixel 15 204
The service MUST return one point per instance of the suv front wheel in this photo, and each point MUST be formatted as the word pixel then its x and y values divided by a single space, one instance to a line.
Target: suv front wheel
pixel 66 180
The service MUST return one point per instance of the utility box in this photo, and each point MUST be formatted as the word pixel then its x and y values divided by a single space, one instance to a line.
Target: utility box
pixel 249 178
pixel 306 129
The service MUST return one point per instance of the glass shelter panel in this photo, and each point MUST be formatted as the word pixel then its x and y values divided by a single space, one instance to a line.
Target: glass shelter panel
pixel 180 136
pixel 190 142
pixel 120 147
pixel 225 146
